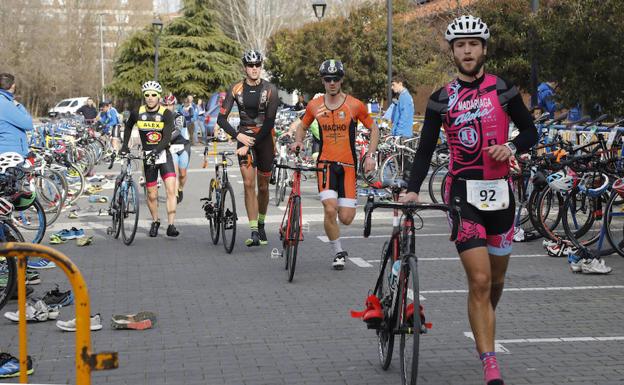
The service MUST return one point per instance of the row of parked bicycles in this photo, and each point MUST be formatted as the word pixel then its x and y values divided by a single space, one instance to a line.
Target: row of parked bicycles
pixel 35 189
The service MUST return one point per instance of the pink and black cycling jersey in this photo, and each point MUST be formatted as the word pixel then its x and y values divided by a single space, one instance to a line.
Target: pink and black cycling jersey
pixel 475 115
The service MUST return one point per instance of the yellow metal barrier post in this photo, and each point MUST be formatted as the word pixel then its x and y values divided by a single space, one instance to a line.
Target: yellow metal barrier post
pixel 85 360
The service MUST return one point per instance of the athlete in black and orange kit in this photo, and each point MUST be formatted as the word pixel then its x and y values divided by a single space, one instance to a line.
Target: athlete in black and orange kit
pixel 337 114
pixel 257 102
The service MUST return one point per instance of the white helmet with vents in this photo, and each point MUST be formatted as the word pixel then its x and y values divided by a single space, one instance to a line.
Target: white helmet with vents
pixel 467 26
pixel 151 85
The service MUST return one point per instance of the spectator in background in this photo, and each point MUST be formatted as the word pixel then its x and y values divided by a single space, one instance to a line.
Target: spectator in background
pixel 108 118
pixel 403 112
pixel 15 121
pixel 301 104
pixel 200 127
pixel 546 98
pixel 88 111
pixel 189 112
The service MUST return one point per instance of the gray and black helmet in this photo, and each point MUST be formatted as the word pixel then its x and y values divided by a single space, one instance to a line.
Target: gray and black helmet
pixel 252 57
pixel 332 68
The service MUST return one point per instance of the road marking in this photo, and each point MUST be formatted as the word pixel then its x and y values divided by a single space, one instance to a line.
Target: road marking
pixel 498 344
pixel 324 239
pixel 457 258
pixel 360 262
pixel 520 289
pixel 498 348
pixel 410 295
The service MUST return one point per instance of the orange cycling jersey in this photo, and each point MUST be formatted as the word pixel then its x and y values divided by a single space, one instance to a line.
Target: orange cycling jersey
pixel 337 128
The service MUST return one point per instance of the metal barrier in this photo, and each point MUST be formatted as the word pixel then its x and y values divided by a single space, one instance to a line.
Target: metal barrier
pixel 85 360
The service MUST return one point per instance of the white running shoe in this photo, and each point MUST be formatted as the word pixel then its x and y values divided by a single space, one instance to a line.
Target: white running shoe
pixel 38 311
pixel 518 235
pixel 339 260
pixel 595 266
pixel 576 263
pixel 70 326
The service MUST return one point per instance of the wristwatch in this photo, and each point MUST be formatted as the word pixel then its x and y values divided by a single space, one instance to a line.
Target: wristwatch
pixel 511 147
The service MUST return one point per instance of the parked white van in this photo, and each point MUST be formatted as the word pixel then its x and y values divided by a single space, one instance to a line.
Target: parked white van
pixel 67 106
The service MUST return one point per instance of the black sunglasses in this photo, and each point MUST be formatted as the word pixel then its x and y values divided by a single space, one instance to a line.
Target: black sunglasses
pixel 148 95
pixel 329 79
pixel 251 65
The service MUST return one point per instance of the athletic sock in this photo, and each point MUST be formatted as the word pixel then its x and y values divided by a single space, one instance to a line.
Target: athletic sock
pixel 336 246
pixel 491 371
pixel 261 218
pixel 253 225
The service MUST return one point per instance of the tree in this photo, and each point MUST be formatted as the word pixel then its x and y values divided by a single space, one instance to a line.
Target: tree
pixel 195 56
pixel 580 47
pixel 359 41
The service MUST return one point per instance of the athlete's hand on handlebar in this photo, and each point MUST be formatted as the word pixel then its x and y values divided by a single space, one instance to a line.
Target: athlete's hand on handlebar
pixel 409 197
pixel 499 153
pixel 242 151
pixel 369 164
pixel 295 146
pixel 246 139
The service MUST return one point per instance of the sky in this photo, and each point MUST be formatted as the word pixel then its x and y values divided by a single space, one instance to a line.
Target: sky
pixel 167 6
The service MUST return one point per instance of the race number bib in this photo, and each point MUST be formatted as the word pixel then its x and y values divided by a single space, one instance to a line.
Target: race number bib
pixel 176 148
pixel 488 195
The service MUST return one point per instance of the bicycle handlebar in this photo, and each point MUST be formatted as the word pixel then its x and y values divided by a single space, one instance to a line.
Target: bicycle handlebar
pixel 299 168
pixel 454 210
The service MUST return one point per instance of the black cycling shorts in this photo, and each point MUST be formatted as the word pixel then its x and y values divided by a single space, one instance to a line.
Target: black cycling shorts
pixel 116 132
pixel 263 155
pixel 491 229
pixel 166 170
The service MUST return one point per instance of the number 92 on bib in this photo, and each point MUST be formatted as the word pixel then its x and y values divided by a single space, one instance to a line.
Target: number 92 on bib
pixel 488 195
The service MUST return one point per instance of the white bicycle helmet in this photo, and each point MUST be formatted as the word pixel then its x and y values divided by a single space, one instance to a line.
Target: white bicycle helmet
pixel 151 85
pixel 594 184
pixel 252 57
pixel 562 181
pixel 467 26
pixel 9 160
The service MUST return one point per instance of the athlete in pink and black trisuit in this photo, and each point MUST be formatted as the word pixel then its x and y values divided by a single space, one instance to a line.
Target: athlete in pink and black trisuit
pixel 476 109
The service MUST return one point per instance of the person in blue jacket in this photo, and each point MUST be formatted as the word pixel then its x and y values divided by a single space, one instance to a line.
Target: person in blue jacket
pixel 403 111
pixel 15 121
pixel 546 98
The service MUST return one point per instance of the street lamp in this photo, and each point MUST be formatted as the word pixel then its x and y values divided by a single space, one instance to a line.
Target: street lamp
pixel 157 26
pixel 102 56
pixel 319 8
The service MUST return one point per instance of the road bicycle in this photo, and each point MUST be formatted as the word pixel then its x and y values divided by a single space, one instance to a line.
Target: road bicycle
pixel 220 205
pixel 290 229
pixel 124 206
pixel 282 178
pixel 8 266
pixel 397 286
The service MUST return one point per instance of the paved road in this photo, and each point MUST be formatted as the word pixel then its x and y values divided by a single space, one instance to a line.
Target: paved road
pixel 233 319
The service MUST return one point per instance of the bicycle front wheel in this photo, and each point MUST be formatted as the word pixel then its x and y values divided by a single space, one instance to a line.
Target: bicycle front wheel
pixel 8 266
pixel 293 237
pixel 614 215
pixel 33 222
pixel 228 221
pixel 409 322
pixel 278 183
pixel 385 290
pixel 214 216
pixel 130 213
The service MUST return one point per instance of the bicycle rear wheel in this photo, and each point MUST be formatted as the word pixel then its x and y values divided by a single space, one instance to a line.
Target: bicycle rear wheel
pixel 614 214
pixel 214 217
pixel 33 222
pixel 116 211
pixel 410 326
pixel 293 237
pixel 437 183
pixel 228 222
pixel 8 266
pixel 130 213
pixel 385 290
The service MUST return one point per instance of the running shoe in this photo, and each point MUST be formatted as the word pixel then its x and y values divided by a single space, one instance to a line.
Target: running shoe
pixel 9 366
pixel 70 326
pixel 38 312
pixel 254 240
pixel 139 321
pixel 180 196
pixel 595 266
pixel 172 231
pixel 575 262
pixel 262 235
pixel 32 277
pixel 339 260
pixel 40 263
pixel 56 298
pixel 154 229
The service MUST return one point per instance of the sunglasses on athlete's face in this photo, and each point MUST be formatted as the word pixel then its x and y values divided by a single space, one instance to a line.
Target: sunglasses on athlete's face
pixel 252 65
pixel 153 95
pixel 329 79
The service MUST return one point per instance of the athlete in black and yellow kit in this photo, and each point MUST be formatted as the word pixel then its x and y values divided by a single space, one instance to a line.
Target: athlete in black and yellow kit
pixel 257 102
pixel 156 124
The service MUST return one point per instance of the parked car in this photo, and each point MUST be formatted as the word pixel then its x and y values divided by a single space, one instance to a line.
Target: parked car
pixel 67 106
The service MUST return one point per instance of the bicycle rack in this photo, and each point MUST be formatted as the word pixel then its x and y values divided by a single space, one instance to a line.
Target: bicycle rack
pixel 86 361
